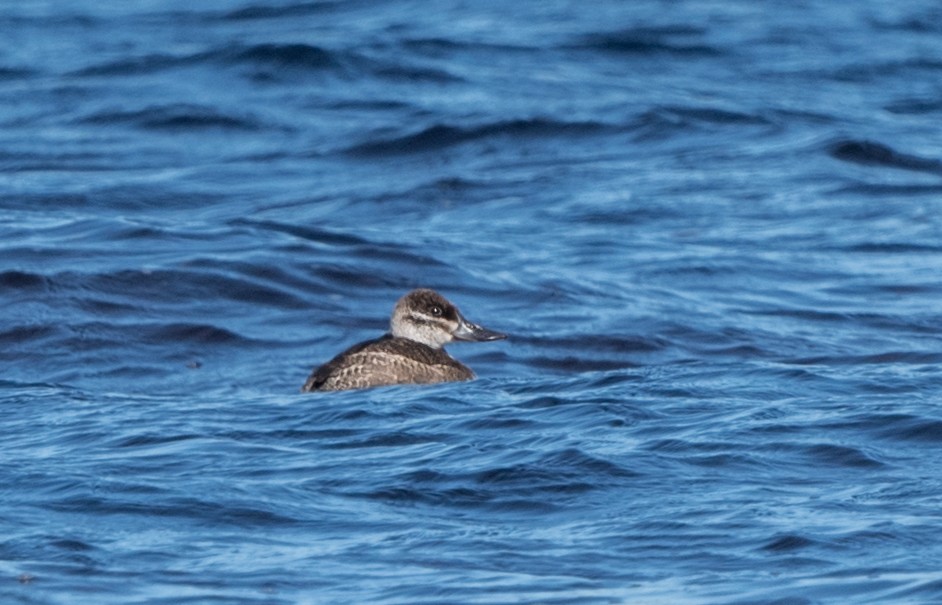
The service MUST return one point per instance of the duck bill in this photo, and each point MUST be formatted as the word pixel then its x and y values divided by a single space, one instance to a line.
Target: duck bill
pixel 474 333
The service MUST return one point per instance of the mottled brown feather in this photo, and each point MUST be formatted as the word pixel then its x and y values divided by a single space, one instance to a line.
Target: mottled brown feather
pixel 385 361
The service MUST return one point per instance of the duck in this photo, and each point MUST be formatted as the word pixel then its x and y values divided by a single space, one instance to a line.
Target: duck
pixel 412 352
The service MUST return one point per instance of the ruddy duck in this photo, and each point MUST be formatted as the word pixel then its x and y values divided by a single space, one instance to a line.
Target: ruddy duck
pixel 411 353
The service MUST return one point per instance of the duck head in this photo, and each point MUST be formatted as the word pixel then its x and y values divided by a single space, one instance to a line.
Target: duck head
pixel 428 317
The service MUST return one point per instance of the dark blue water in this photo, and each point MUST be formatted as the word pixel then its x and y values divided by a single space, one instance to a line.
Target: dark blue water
pixel 712 229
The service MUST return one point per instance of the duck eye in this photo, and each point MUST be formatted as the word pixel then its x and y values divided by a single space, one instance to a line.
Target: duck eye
pixel 436 311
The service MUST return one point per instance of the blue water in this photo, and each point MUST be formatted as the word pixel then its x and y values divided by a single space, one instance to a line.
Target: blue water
pixel 712 229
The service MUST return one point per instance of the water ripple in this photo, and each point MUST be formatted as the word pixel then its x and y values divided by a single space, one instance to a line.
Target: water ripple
pixel 712 235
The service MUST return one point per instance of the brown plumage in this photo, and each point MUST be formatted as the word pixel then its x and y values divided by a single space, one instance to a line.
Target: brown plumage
pixel 423 321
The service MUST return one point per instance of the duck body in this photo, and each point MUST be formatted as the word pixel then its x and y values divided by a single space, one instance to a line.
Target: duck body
pixel 411 353
pixel 384 361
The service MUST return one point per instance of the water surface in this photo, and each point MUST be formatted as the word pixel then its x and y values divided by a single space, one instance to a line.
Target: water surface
pixel 712 229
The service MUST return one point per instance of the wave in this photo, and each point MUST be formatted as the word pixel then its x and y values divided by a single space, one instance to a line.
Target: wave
pixel 893 426
pixel 192 333
pixel 185 507
pixel 22 280
pixel 907 427
pixel 182 116
pixel 927 20
pixel 18 335
pixel 711 115
pixel 915 106
pixel 137 65
pixel 93 335
pixel 221 281
pixel 894 248
pixel 650 40
pixel 883 190
pixel 917 358
pixel 401 72
pixel 15 73
pixel 872 153
pixel 438 47
pixel 545 481
pixel 315 59
pixel 656 123
pixel 788 543
pixel 441 136
pixel 295 56
pixel 301 56
pixel 840 455
pixel 351 247
pixel 256 11
pixel 273 61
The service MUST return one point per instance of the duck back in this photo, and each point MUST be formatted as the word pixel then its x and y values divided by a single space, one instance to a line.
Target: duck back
pixel 385 361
